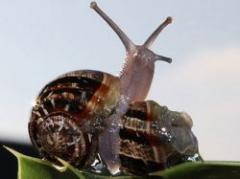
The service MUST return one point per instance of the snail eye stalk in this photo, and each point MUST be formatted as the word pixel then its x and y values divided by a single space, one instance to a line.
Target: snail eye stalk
pixel 155 34
pixel 124 38
pixel 162 58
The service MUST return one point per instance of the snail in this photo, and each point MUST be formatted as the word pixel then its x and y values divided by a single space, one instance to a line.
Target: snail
pixel 69 115
pixel 95 120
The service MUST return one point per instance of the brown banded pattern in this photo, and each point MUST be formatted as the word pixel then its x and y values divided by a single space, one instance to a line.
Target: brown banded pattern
pixel 66 110
pixel 69 115
pixel 148 138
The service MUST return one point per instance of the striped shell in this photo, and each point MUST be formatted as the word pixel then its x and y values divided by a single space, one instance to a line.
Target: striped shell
pixel 154 138
pixel 69 110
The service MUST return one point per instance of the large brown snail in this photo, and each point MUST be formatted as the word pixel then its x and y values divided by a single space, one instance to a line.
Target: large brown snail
pixel 96 120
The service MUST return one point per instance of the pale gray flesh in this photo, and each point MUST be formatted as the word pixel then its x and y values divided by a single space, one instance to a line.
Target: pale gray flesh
pixel 137 74
pixel 135 81
pixel 109 144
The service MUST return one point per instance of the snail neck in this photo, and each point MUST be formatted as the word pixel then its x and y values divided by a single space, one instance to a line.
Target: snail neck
pixel 137 73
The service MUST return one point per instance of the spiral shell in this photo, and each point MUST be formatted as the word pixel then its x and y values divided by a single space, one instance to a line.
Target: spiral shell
pixel 69 110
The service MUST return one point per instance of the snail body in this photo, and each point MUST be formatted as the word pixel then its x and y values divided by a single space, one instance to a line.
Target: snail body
pixel 135 81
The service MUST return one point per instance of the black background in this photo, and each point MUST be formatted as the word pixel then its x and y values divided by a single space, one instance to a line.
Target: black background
pixel 8 162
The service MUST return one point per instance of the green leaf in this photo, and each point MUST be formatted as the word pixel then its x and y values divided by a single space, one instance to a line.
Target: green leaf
pixel 202 170
pixel 33 168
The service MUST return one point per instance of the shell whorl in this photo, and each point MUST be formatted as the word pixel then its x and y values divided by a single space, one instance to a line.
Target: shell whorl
pixel 59 136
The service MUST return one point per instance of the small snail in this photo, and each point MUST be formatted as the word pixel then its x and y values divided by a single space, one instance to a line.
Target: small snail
pixel 86 116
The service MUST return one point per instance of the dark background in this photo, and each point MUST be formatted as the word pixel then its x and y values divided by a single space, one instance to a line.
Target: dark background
pixel 8 162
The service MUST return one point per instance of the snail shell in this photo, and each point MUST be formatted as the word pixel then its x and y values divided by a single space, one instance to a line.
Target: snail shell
pixel 154 137
pixel 69 110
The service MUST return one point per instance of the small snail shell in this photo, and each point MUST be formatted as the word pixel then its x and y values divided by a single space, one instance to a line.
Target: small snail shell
pixel 68 110
pixel 154 137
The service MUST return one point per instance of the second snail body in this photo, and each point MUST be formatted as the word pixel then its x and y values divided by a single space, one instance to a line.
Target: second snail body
pixel 69 115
